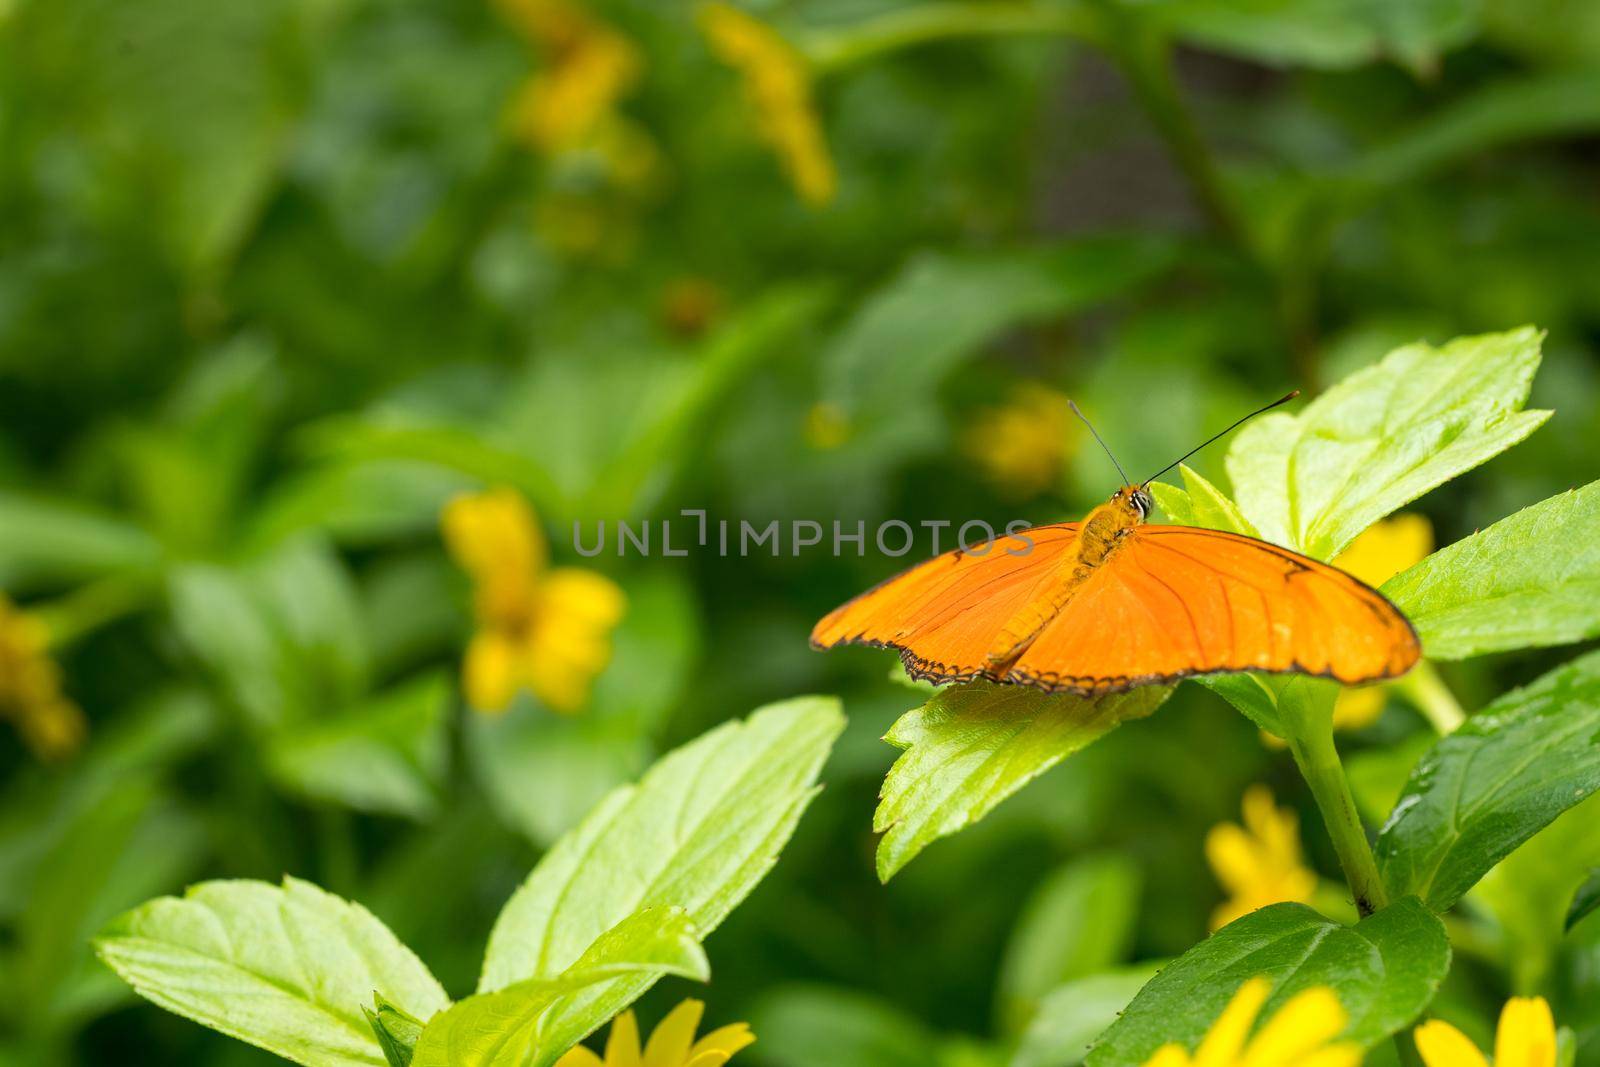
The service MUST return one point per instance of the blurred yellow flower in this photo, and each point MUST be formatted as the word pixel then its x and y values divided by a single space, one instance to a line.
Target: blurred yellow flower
pixel 1386 548
pixel 1382 551
pixel 544 629
pixel 827 426
pixel 30 688
pixel 777 82
pixel 1023 445
pixel 1299 1034
pixel 1526 1037
pixel 672 1044
pixel 588 67
pixel 1260 862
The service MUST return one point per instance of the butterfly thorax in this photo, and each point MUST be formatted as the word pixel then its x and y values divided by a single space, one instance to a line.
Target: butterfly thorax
pixel 1107 524
pixel 1102 529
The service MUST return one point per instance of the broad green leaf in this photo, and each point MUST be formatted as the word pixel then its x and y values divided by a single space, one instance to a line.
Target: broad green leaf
pixel 285 969
pixel 505 1028
pixel 361 503
pixel 1072 1015
pixel 943 307
pixel 1319 33
pixel 974 745
pixel 1530 580
pixel 807 1025
pixel 1384 971
pixel 387 755
pixel 1200 503
pixel 397 1032
pixel 1255 696
pixel 1078 922
pixel 282 634
pixel 44 541
pixel 184 110
pixel 1485 789
pixel 1383 437
pixel 697 832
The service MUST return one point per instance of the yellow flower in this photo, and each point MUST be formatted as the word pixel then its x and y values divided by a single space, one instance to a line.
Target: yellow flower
pixel 1384 550
pixel 1300 1034
pixel 1526 1037
pixel 777 82
pixel 827 426
pixel 1023 445
pixel 544 629
pixel 671 1045
pixel 588 68
pixel 52 726
pixel 1258 863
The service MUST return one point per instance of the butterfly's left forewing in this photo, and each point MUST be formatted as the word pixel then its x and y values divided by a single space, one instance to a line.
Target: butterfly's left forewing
pixel 946 616
pixel 1175 601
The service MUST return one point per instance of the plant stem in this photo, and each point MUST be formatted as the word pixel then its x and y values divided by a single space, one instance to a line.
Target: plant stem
pixel 1145 58
pixel 1428 693
pixel 1318 760
pixel 918 24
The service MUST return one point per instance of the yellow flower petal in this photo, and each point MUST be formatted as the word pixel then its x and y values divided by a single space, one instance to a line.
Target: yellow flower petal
pixel 493 671
pixel 622 1047
pixel 1023 445
pixel 1169 1056
pixel 579 1057
pixel 778 84
pixel 1305 1024
pixel 496 539
pixel 1348 1054
pixel 1526 1036
pixel 1226 1037
pixel 1386 548
pixel 1442 1045
pixel 669 1044
pixel 1259 863
pixel 52 726
pixel 1358 708
pixel 727 1040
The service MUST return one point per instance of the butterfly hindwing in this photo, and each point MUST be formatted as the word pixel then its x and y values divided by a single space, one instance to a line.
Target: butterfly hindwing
pixel 1174 601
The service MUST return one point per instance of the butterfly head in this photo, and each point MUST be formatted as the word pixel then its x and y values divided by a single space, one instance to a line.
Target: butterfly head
pixel 1135 501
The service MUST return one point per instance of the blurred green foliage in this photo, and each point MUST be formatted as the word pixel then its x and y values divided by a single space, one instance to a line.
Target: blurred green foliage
pixel 279 279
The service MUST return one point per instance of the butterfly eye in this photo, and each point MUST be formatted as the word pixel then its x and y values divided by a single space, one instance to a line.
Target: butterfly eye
pixel 1142 501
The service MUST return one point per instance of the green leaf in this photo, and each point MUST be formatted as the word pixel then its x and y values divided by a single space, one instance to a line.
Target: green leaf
pixel 1079 921
pixel 1072 1015
pixel 1384 971
pixel 1255 697
pixel 285 969
pixel 943 308
pixel 504 1028
pixel 1383 437
pixel 807 1025
pixel 1485 789
pixel 1584 901
pixel 1319 33
pixel 388 755
pixel 282 634
pixel 1530 580
pixel 698 832
pixel 397 1031
pixel 974 745
pixel 47 541
pixel 1201 504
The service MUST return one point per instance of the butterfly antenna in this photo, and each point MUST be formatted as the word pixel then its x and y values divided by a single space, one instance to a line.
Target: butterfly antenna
pixel 1097 437
pixel 1224 433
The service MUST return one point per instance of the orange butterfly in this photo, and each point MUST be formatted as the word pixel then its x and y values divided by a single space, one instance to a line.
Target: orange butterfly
pixel 1114 602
